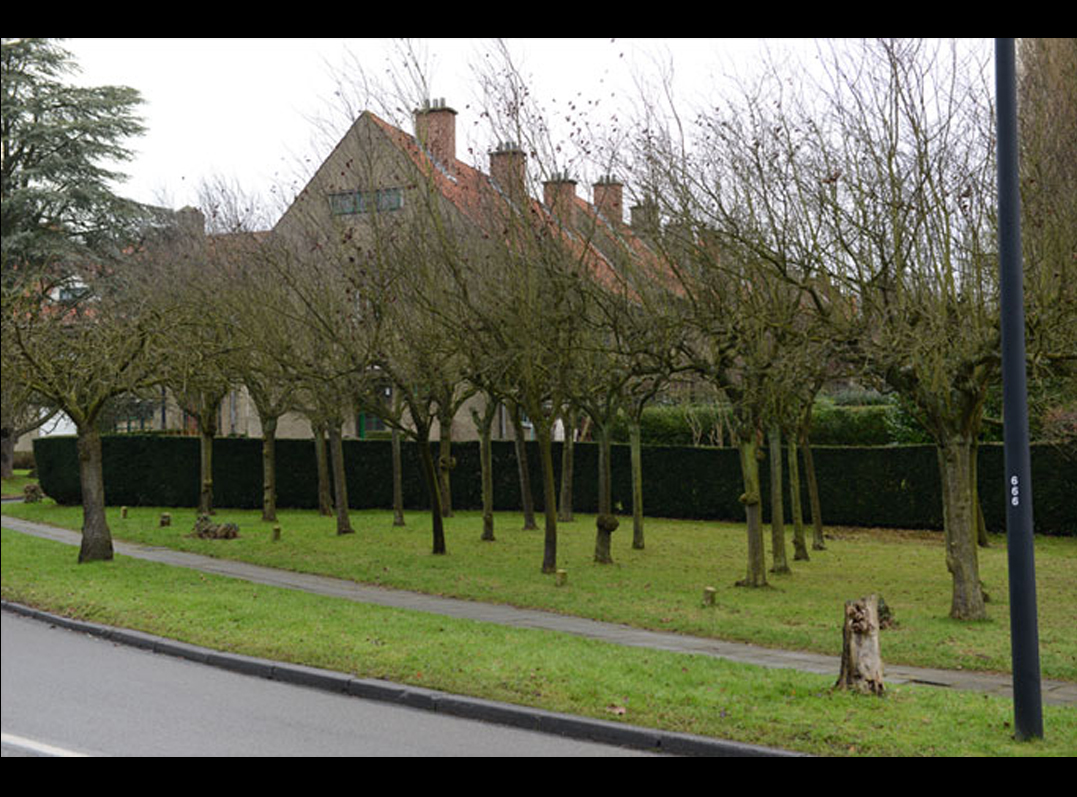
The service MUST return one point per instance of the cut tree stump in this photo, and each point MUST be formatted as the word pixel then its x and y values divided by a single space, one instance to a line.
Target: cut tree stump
pixel 861 662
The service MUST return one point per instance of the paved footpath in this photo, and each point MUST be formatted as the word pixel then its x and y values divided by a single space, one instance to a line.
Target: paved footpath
pixel 1054 692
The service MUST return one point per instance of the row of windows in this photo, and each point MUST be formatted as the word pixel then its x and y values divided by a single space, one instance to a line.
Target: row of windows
pixel 352 202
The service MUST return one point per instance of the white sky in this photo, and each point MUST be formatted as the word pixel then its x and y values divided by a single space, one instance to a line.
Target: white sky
pixel 244 109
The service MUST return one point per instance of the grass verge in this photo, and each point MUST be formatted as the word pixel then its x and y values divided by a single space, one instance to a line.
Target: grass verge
pixel 694 694
pixel 14 486
pixel 660 587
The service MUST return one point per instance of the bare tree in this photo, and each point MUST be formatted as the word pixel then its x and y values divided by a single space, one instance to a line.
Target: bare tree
pixel 907 188
pixel 77 340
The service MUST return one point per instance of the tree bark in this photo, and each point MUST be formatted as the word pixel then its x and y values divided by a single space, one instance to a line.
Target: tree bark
pixel 486 463
pixel 205 493
pixel 605 486
pixel 749 466
pixel 7 453
pixel 568 450
pixel 549 494
pixel 430 476
pixel 635 444
pixel 269 469
pixel 818 542
pixel 861 661
pixel 527 501
pixel 959 524
pixel 96 537
pixel 398 481
pixel 800 543
pixel 605 525
pixel 777 508
pixel 340 482
pixel 445 463
pixel 321 458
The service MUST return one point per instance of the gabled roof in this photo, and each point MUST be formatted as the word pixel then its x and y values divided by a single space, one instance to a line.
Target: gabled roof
pixel 476 194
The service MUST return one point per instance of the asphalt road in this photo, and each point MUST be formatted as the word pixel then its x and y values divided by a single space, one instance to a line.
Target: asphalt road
pixel 66 693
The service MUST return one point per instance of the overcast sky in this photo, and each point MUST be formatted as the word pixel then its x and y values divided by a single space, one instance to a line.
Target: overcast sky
pixel 245 109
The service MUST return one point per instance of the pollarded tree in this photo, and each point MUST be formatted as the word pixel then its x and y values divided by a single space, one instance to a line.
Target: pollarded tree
pixel 740 309
pixel 78 341
pixel 203 344
pixel 904 174
pixel 1047 106
pixel 77 328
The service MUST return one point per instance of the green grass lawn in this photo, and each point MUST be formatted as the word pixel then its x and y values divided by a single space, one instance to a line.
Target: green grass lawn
pixel 14 486
pixel 660 587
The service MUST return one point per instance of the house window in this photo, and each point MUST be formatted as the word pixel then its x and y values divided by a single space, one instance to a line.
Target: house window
pixel 349 203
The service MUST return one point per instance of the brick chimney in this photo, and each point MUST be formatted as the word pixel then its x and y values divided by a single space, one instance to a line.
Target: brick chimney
pixel 435 129
pixel 558 193
pixel 645 218
pixel 508 164
pixel 609 198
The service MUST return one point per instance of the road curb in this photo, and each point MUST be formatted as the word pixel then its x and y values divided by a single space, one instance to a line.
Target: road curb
pixel 522 717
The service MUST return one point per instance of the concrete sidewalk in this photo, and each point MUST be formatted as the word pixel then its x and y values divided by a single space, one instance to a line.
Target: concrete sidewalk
pixel 1054 692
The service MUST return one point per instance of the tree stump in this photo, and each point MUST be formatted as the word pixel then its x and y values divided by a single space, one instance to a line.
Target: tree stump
pixel 861 662
pixel 206 529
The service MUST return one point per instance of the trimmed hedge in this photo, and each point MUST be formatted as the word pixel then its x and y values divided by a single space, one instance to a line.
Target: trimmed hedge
pixel 896 486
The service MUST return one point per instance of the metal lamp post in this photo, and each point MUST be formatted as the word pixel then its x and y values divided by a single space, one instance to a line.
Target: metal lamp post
pixel 1024 634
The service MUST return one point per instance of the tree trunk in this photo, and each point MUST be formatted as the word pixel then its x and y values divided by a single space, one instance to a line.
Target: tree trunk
pixel 96 536
pixel 528 502
pixel 445 463
pixel 549 494
pixel 568 450
pixel 269 469
pixel 605 482
pixel 340 481
pixel 777 508
pixel 959 523
pixel 818 542
pixel 800 543
pixel 749 466
pixel 321 458
pixel 398 481
pixel 205 494
pixel 637 483
pixel 861 661
pixel 605 525
pixel 7 453
pixel 430 476
pixel 486 463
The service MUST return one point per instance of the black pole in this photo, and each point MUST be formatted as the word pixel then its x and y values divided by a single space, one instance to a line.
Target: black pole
pixel 1024 635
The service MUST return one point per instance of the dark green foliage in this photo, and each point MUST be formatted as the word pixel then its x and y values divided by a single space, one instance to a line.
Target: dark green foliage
pixel 864 425
pixel 895 486
pixel 59 141
pixel 677 425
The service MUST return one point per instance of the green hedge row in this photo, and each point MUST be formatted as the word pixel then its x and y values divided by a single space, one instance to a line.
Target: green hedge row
pixel 832 425
pixel 896 486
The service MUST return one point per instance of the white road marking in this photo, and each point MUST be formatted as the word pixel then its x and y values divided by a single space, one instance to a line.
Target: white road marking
pixel 38 747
